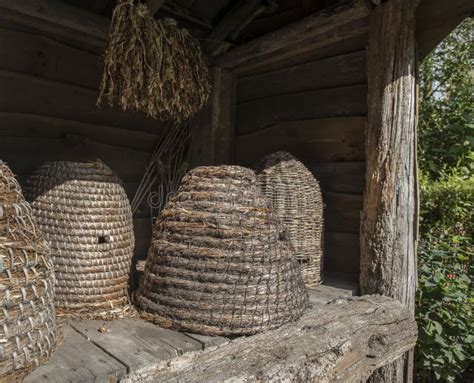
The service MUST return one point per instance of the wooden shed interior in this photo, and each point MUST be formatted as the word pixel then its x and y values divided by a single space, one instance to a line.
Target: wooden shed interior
pixel 287 75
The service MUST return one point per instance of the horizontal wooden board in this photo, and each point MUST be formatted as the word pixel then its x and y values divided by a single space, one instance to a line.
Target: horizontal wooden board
pixel 36 126
pixel 23 93
pixel 44 57
pixel 333 139
pixel 341 177
pixel 342 212
pixel 331 72
pixel 335 102
pixel 24 154
pixel 341 253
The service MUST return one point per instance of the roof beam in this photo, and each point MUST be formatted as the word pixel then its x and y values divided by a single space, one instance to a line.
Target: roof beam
pixel 323 28
pixel 65 22
pixel 240 15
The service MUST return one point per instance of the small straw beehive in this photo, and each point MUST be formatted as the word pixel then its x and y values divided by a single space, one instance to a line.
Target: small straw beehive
pixel 85 214
pixel 217 263
pixel 295 197
pixel 27 323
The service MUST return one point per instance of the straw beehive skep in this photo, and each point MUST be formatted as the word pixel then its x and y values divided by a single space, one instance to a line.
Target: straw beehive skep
pixel 295 197
pixel 218 264
pixel 27 323
pixel 153 66
pixel 85 215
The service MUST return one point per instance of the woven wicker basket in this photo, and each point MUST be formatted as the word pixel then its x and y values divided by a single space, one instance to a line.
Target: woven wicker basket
pixel 217 264
pixel 27 324
pixel 84 212
pixel 295 197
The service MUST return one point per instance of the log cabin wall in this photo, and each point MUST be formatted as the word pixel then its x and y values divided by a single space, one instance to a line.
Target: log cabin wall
pixel 317 111
pixel 47 112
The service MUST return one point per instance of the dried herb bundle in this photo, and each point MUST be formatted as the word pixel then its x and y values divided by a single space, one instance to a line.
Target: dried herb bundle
pixel 153 67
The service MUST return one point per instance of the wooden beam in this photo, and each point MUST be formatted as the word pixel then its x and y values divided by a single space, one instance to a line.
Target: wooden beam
pixel 389 218
pixel 435 19
pixel 329 26
pixel 213 142
pixel 154 5
pixel 240 15
pixel 343 340
pixel 74 25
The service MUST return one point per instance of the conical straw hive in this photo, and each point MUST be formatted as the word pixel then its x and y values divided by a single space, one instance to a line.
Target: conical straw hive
pixel 295 197
pixel 28 327
pixel 85 214
pixel 217 263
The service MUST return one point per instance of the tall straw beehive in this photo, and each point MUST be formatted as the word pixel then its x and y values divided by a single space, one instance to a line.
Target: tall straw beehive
pixel 85 214
pixel 218 263
pixel 27 323
pixel 295 196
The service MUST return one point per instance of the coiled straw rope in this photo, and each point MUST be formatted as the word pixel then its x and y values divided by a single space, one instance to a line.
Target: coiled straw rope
pixel 153 66
pixel 27 323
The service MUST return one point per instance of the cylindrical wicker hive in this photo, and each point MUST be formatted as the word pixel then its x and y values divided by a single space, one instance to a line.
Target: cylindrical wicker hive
pixel 85 214
pixel 217 263
pixel 27 324
pixel 295 197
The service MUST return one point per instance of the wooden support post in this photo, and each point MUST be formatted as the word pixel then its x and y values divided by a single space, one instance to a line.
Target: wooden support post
pixel 213 142
pixel 389 219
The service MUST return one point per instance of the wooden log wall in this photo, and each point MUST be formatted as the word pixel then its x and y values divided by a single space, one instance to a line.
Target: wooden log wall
pixel 317 111
pixel 48 91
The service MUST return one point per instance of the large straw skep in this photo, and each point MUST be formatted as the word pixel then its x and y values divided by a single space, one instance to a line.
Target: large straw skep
pixel 218 264
pixel 27 323
pixel 295 197
pixel 153 66
pixel 85 214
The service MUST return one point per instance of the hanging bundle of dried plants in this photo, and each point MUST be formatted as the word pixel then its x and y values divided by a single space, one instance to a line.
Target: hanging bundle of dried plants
pixel 152 66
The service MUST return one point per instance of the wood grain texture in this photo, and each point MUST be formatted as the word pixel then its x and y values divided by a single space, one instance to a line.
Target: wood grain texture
pixel 331 72
pixel 58 19
pixel 339 177
pixel 78 360
pixel 342 341
pixel 322 28
pixel 22 93
pixel 341 253
pixel 342 212
pixel 389 220
pixel 213 142
pixel 317 140
pixel 42 56
pixel 335 102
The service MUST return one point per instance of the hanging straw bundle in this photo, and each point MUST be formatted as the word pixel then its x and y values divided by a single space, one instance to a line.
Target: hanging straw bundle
pixel 153 67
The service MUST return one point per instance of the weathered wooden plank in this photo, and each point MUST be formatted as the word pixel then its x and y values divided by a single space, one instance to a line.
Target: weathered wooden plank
pixel 37 126
pixel 213 142
pixel 78 360
pixel 332 139
pixel 134 342
pixel 389 219
pixel 322 28
pixel 341 252
pixel 342 341
pixel 319 104
pixel 208 341
pixel 24 154
pixel 323 293
pixel 42 56
pixel 342 212
pixel 58 19
pixel 339 177
pixel 349 69
pixel 55 99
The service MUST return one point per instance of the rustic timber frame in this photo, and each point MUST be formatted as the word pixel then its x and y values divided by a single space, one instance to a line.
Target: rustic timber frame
pixel 336 87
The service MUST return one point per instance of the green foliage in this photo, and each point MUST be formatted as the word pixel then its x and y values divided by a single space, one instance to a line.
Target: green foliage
pixel 446 133
pixel 445 296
